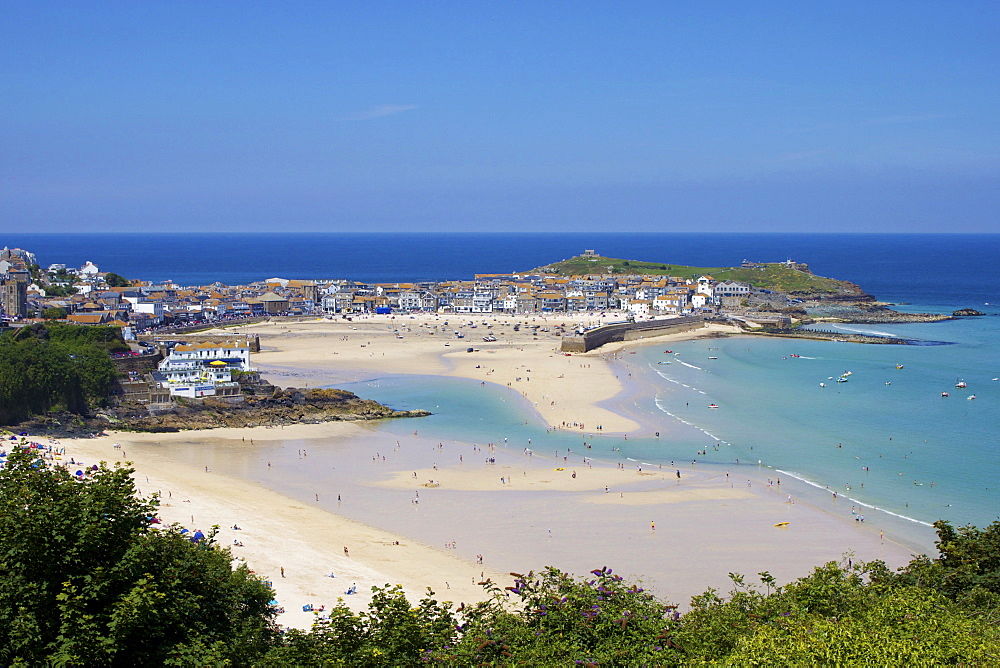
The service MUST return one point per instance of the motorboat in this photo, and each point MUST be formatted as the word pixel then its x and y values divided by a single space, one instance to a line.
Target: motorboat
pixel 961 384
pixel 713 406
pixel 945 394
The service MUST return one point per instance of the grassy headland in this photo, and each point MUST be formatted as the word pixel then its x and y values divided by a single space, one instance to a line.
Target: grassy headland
pixel 794 280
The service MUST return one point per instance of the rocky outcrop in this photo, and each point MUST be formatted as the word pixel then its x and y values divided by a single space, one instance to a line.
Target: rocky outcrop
pixel 962 312
pixel 270 406
pixel 867 313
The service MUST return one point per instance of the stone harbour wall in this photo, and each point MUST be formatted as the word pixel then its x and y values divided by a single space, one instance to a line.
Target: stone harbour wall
pixel 628 331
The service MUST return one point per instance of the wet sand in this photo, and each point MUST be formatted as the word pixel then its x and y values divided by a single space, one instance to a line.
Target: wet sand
pixel 303 493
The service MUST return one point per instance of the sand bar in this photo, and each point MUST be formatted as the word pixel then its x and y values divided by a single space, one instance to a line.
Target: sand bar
pixel 302 493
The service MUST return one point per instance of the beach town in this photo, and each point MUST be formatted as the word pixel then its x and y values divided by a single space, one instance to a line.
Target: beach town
pixel 448 516
pixel 85 295
pixel 464 512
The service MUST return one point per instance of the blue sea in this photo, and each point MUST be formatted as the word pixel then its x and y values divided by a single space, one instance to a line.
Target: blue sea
pixel 885 439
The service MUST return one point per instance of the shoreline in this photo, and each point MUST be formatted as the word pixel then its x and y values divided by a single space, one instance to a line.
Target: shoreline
pixel 522 512
pixel 679 530
pixel 290 542
pixel 565 388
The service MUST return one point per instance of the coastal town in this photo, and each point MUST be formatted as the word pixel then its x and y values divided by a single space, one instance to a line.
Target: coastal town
pixel 88 295
pixel 593 308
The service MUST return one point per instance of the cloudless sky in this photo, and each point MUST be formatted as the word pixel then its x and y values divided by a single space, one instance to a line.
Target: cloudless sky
pixel 500 116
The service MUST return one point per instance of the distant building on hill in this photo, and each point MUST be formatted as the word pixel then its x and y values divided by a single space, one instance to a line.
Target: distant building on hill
pixel 14 294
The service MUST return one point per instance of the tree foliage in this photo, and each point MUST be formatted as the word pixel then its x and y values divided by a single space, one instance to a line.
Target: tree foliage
pixel 390 633
pixel 55 366
pixel 86 579
pixel 116 281
pixel 54 313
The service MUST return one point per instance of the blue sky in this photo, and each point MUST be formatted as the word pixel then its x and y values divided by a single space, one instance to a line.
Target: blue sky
pixel 500 116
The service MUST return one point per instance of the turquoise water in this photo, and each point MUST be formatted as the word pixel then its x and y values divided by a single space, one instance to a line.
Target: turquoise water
pixel 885 438
pixel 899 447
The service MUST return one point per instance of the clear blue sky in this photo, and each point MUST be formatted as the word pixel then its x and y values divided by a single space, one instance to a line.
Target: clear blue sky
pixel 500 116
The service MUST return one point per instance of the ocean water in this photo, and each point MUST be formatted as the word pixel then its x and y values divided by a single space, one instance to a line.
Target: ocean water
pixel 920 268
pixel 885 439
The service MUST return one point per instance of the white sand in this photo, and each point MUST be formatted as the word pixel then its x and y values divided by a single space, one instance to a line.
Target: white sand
pixel 521 512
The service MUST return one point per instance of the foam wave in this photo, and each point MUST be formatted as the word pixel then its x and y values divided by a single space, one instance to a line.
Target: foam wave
pixel 871 332
pixel 853 500
pixel 656 402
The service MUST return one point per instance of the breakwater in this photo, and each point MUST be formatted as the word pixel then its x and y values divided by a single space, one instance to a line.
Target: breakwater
pixel 628 331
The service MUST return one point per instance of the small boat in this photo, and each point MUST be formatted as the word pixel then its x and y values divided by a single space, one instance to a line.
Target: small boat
pixel 961 384
pixel 945 394
pixel 841 380
pixel 888 382
pixel 822 384
pixel 971 397
pixel 713 406
pixel 663 362
pixel 713 358
pixel 781 524
pixel 794 355
pixel 668 351
pixel 899 366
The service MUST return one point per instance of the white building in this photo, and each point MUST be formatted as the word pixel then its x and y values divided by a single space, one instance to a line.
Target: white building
pixel 203 369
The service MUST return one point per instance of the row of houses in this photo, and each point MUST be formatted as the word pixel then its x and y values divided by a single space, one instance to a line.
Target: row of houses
pixel 513 293
pixel 143 306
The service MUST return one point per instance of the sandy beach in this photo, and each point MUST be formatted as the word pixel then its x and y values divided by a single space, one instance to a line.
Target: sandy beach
pixel 418 511
pixel 566 390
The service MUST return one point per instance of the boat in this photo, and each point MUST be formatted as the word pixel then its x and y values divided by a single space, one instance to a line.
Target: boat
pixel 822 384
pixel 781 524
pixel 899 366
pixel 961 384
pixel 841 380
pixel 971 397
pixel 668 351
pixel 794 355
pixel 663 362
pixel 713 358
pixel 713 406
pixel 945 394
